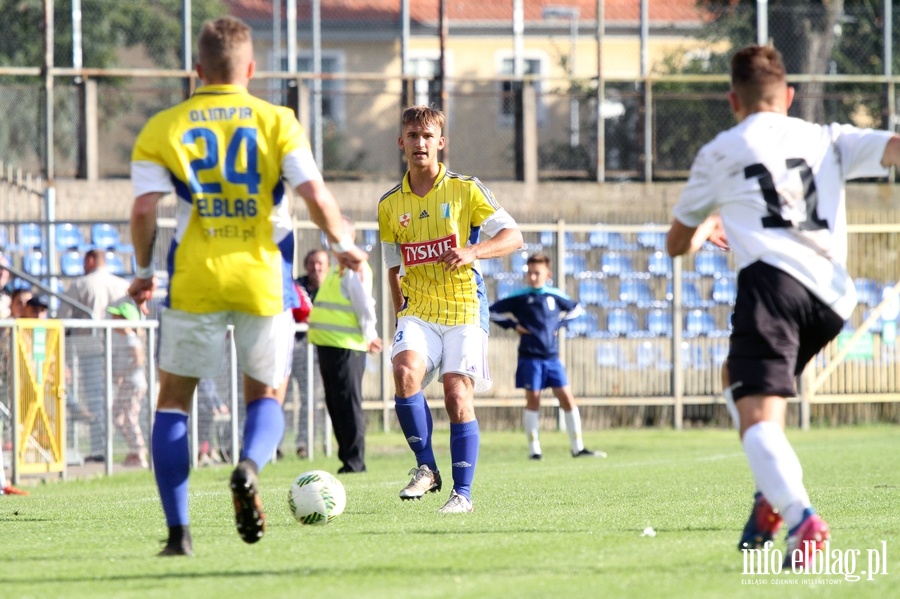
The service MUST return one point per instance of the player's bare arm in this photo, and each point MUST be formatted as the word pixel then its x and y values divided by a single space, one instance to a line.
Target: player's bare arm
pixel 504 242
pixel 143 237
pixel 683 239
pixel 396 292
pixel 891 156
pixel 325 213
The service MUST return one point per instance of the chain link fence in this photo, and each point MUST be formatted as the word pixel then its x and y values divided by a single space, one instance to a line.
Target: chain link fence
pixel 663 92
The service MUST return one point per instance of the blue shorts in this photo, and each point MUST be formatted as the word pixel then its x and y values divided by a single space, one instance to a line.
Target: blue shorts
pixel 535 374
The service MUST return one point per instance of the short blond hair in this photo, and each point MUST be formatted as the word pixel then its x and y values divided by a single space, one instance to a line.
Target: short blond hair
pixel 220 47
pixel 423 115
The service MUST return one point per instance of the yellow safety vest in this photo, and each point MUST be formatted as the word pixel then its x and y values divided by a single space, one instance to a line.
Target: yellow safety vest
pixel 332 321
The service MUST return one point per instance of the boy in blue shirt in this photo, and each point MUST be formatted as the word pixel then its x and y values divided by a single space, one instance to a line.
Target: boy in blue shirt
pixel 536 313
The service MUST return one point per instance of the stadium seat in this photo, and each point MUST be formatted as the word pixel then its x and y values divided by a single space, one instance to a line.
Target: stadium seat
pixel 593 291
pixel 659 264
pixel 35 263
pixel 659 323
pixel 711 263
pixel 72 263
pixel 655 240
pixel 690 297
pixel 610 240
pixel 548 238
pixel 29 237
pixel 699 322
pixel 370 239
pixel 585 325
pixel 4 238
pixel 614 264
pixel 621 322
pixel 506 286
pixel 724 290
pixel 574 264
pixel 647 355
pixel 867 292
pixel 719 352
pixel 104 236
pixel 518 263
pixel 115 264
pixel 69 237
pixel 636 292
pixel 491 267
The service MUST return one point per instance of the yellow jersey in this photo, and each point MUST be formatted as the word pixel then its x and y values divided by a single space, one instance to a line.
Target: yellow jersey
pixel 423 228
pixel 233 246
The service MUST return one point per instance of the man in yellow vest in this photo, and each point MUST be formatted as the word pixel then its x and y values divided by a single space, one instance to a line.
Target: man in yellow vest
pixel 342 327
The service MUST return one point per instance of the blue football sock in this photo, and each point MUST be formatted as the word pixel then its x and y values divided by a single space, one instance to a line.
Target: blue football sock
pixel 416 424
pixel 464 441
pixel 263 429
pixel 172 464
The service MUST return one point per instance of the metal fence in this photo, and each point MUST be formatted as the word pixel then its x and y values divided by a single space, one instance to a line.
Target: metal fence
pixel 625 91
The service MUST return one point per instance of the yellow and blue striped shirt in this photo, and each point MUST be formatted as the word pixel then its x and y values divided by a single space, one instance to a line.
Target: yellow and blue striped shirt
pixel 450 215
pixel 234 243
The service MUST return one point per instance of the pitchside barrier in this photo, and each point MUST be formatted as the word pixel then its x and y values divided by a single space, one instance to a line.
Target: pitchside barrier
pixel 648 352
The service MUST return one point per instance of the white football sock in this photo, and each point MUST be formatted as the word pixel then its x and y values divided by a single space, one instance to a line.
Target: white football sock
pixel 573 425
pixel 531 421
pixel 777 470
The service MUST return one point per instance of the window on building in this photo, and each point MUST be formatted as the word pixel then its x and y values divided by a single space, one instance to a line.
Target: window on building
pixel 333 98
pixel 532 65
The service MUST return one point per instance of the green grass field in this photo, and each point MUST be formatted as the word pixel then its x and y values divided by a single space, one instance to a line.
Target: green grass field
pixel 557 528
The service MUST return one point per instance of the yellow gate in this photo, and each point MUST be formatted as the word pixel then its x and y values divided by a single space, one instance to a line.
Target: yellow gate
pixel 40 396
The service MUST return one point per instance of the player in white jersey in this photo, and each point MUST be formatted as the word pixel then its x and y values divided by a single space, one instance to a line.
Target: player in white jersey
pixel 772 189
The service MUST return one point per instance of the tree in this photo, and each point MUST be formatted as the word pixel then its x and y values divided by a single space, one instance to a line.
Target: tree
pixel 109 29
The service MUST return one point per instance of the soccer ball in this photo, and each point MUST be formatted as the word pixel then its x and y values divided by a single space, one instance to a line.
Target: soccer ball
pixel 316 497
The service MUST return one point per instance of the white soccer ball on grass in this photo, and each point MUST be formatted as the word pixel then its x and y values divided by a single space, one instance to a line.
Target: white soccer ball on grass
pixel 317 497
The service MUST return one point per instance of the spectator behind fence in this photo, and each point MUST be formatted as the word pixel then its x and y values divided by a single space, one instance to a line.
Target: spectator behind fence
pixel 231 262
pixel 434 225
pixel 536 313
pixel 37 306
pixel 316 265
pixel 772 189
pixel 130 382
pixel 96 289
pixel 342 327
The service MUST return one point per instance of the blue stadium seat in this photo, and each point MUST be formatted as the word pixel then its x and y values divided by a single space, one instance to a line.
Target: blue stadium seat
pixel 574 264
pixel 711 263
pixel 4 238
pixel 724 290
pixel 35 263
pixel 647 355
pixel 610 240
pixel 659 264
pixel 621 322
pixel 507 286
pixel 69 237
pixel 636 292
pixel 491 267
pixel 659 323
pixel 867 292
pixel 370 239
pixel 719 352
pixel 518 263
pixel 585 325
pixel 655 240
pixel 29 236
pixel 548 238
pixel 690 297
pixel 115 264
pixel 593 291
pixel 104 236
pixel 72 263
pixel 699 322
pixel 614 264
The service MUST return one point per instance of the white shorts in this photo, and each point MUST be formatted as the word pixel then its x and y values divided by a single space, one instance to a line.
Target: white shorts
pixel 194 344
pixel 460 349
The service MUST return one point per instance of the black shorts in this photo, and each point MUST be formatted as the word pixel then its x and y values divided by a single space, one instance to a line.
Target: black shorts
pixel 777 328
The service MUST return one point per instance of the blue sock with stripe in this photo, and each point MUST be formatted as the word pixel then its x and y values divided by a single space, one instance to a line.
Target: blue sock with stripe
pixel 172 464
pixel 263 430
pixel 416 424
pixel 464 441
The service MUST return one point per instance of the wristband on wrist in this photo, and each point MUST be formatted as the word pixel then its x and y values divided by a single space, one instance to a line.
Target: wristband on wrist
pixel 144 272
pixel 344 245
